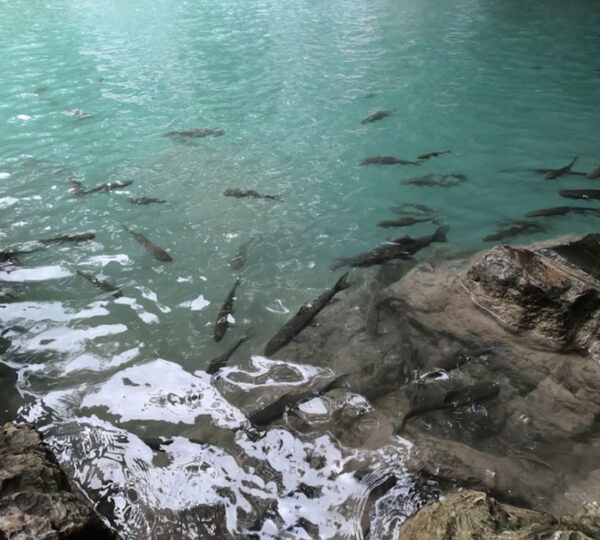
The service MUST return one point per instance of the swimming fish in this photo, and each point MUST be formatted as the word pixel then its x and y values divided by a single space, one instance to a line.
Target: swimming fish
pixel 158 252
pixel 580 193
pixel 386 160
pixel 156 443
pixel 239 259
pixel 562 210
pixel 593 174
pixel 79 114
pixel 452 399
pixel 402 222
pixel 102 284
pixel 217 363
pixel 410 208
pixel 109 186
pixel 433 154
pixel 75 186
pixel 559 172
pixel 195 133
pixel 264 416
pixel 69 238
pixel 513 231
pixel 241 193
pixel 375 116
pixel 303 317
pixel 442 180
pixel 7 255
pixel 400 248
pixel 145 200
pixel 226 310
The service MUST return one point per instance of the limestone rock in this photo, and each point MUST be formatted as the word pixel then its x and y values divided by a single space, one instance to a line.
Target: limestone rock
pixel 36 498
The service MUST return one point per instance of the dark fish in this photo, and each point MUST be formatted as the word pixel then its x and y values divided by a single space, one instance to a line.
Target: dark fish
pixel 513 231
pixel 453 399
pixel 226 309
pixel 433 154
pixel 7 255
pixel 370 95
pixel 580 193
pixel 409 208
pixel 241 193
pixel 375 116
pixel 239 259
pixel 79 114
pixel 593 174
pixel 400 248
pixel 156 443
pixel 145 200
pixel 217 363
pixel 386 160
pixel 303 317
pixel 402 222
pixel 195 133
pixel 562 210
pixel 559 172
pixel 442 180
pixel 158 253
pixel 75 186
pixel 69 238
pixel 110 186
pixel 102 284
pixel 263 417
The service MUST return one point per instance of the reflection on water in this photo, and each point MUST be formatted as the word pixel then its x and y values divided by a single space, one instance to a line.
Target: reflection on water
pixel 289 85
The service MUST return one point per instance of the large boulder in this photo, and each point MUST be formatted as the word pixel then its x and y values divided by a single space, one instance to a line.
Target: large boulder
pixel 36 498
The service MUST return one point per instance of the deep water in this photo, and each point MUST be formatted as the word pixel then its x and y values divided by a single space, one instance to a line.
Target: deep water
pixel 506 86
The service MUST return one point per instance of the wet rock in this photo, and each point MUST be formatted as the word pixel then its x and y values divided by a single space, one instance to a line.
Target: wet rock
pixel 527 291
pixel 36 498
pixel 474 514
pixel 10 399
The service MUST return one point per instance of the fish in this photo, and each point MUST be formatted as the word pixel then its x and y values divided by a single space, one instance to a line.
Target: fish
pixel 158 252
pixel 410 208
pixel 102 284
pixel 109 186
pixel 452 399
pixel 75 186
pixel 195 133
pixel 402 222
pixel 241 193
pixel 400 248
pixel 226 310
pixel 145 200
pixel 559 172
pixel 69 238
pixel 442 180
pixel 562 210
pixel 264 416
pixel 433 154
pixel 515 230
pixel 8 255
pixel 303 317
pixel 370 95
pixel 580 193
pixel 593 174
pixel 217 363
pixel 156 443
pixel 375 116
pixel 79 114
pixel 386 160
pixel 239 259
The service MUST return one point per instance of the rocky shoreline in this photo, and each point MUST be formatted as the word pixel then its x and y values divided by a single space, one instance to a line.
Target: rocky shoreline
pixel 487 368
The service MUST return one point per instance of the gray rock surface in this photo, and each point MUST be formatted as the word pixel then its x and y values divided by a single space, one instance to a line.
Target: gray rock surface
pixel 36 498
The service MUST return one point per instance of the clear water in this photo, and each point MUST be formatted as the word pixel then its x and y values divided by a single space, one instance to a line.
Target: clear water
pixel 505 86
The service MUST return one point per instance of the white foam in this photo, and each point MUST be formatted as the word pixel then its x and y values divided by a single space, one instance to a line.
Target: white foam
pixel 197 304
pixel 41 273
pixel 4 175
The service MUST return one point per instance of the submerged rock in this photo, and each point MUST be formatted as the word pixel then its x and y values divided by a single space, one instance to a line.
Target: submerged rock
pixel 36 498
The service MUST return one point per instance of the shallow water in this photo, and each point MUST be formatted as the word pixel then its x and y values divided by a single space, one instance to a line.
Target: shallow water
pixel 505 87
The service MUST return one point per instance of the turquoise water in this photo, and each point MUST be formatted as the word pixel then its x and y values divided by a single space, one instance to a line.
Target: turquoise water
pixel 505 86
